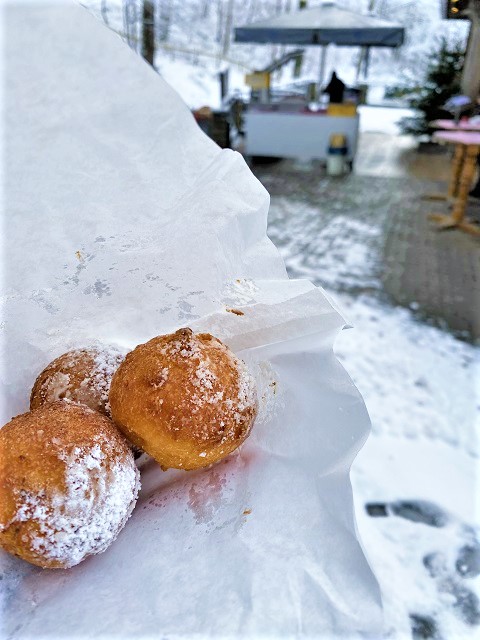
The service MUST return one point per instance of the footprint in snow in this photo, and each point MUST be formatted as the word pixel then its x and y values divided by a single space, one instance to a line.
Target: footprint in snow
pixel 449 579
pixel 414 510
pixel 468 560
pixel 423 628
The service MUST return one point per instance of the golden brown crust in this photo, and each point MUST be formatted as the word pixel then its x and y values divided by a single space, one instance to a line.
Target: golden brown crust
pixel 81 375
pixel 64 472
pixel 185 399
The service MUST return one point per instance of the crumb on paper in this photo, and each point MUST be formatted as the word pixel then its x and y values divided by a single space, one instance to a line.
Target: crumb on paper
pixel 237 312
pixel 247 512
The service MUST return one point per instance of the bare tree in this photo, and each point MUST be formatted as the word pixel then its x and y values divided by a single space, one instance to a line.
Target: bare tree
pixel 205 12
pixel 252 9
pixel 218 36
pixel 164 19
pixel 131 22
pixel 104 11
pixel 363 56
pixel 228 28
pixel 148 35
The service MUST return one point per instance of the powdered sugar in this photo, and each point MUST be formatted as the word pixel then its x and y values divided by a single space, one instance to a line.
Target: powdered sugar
pixel 97 363
pixel 247 393
pixel 215 397
pixel 161 379
pixel 242 291
pixel 205 376
pixel 99 497
pixel 246 400
pixel 207 381
pixel 59 386
pixel 107 360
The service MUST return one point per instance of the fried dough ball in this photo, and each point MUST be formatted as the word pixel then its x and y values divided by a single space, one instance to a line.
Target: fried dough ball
pixel 82 376
pixel 68 484
pixel 184 398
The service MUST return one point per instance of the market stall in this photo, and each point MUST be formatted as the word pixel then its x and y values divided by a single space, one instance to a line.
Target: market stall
pixel 297 128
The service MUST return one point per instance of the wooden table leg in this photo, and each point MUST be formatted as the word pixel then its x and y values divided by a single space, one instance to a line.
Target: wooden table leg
pixel 459 157
pixel 457 163
pixel 457 219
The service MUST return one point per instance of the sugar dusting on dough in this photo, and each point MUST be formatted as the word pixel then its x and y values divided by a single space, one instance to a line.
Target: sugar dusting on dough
pixel 58 387
pixel 240 408
pixel 247 394
pixel 106 360
pixel 221 402
pixel 84 519
pixel 205 377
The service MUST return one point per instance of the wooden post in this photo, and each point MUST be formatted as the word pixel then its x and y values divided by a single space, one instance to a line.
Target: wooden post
pixel 471 65
pixel 465 183
pixel 457 218
pixel 457 164
pixel 148 31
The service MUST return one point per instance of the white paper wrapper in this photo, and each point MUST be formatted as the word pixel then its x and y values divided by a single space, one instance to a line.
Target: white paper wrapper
pixel 124 222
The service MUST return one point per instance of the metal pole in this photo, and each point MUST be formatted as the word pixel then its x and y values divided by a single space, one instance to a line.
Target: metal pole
pixel 321 71
pixel 366 63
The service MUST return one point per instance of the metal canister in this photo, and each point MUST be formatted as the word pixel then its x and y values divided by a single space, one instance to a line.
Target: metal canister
pixel 337 152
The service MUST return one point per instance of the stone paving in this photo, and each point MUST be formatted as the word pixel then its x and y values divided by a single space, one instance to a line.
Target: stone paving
pixel 438 270
pixel 370 234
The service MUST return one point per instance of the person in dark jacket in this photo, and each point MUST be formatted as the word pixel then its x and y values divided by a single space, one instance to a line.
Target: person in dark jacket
pixel 335 89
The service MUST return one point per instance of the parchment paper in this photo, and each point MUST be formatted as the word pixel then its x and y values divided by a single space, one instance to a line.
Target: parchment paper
pixel 124 221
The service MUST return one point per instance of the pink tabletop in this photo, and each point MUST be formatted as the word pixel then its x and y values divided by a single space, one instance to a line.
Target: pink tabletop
pixel 451 126
pixel 467 138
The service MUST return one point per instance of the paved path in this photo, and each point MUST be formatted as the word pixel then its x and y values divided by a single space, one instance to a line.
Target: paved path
pixel 369 232
pixel 438 271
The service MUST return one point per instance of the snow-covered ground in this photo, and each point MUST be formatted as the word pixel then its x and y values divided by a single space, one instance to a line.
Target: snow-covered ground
pixel 382 119
pixel 420 387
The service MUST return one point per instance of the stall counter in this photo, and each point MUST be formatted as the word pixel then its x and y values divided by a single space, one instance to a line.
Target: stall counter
pixel 302 135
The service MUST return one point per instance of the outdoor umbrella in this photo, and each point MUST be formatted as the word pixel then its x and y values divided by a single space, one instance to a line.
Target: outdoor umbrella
pixel 323 25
